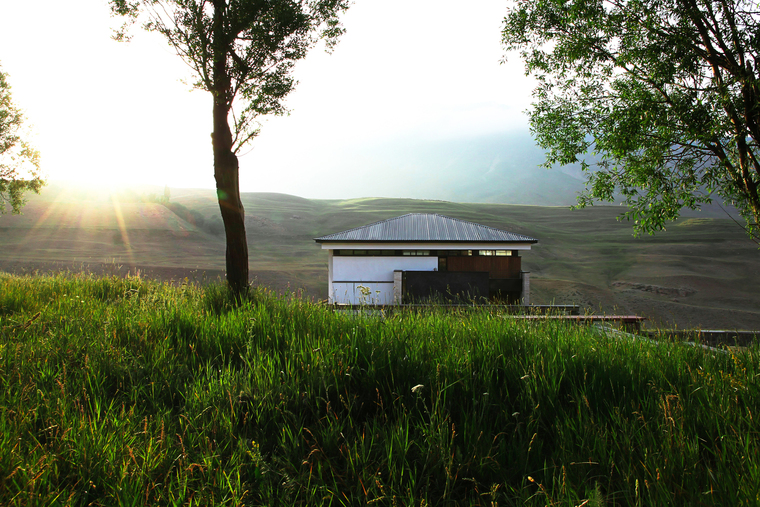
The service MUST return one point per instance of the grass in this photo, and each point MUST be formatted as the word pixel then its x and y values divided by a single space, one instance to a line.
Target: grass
pixel 129 392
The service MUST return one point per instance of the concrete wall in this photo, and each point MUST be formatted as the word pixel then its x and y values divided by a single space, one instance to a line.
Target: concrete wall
pixel 348 275
pixel 506 291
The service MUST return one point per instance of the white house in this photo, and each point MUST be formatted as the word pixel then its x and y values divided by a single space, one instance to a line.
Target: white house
pixel 422 255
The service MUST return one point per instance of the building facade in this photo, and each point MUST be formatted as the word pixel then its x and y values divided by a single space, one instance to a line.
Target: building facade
pixel 420 256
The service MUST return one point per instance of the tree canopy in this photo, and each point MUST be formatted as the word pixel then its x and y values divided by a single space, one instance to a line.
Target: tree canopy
pixel 19 162
pixel 243 53
pixel 659 100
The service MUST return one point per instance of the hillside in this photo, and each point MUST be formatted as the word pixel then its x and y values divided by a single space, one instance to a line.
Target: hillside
pixel 701 272
pixel 130 392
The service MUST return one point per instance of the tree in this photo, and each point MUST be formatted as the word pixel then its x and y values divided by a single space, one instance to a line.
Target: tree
pixel 663 95
pixel 19 162
pixel 243 52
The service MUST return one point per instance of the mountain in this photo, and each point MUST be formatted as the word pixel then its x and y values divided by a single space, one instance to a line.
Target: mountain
pixel 496 168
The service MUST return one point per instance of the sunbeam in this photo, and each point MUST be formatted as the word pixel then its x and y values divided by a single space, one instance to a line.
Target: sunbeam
pixel 122 228
pixel 51 210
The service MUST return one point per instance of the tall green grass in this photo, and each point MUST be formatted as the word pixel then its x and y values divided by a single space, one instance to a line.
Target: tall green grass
pixel 128 392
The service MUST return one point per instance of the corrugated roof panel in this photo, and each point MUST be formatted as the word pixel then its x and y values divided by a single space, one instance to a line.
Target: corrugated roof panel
pixel 426 227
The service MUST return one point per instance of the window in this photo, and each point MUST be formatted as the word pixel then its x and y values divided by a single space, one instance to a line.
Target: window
pixel 416 253
pixel 454 253
pixel 364 253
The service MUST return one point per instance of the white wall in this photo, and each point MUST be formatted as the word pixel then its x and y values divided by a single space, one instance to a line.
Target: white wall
pixel 374 273
pixel 364 293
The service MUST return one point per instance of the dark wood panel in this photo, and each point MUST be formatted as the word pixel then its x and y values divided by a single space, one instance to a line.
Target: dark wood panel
pixel 497 267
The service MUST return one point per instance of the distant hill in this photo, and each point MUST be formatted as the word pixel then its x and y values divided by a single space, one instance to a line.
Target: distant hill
pixel 701 272
pixel 496 168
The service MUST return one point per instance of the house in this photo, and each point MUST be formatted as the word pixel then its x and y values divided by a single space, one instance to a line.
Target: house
pixel 422 255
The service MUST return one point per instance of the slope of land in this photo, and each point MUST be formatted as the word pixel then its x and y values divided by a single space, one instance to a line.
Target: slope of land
pixel 129 392
pixel 701 272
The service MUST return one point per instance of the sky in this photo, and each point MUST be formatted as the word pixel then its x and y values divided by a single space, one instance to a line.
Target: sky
pixel 406 72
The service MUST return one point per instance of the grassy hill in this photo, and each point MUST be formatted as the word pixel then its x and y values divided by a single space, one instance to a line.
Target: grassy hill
pixel 121 391
pixel 701 272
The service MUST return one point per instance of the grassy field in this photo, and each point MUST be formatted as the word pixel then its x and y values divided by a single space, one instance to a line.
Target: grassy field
pixel 119 391
pixel 701 272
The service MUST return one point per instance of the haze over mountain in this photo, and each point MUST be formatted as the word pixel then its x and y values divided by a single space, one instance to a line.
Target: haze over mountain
pixel 502 168
pixel 497 168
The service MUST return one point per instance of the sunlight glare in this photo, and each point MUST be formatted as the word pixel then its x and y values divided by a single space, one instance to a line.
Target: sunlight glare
pixel 122 227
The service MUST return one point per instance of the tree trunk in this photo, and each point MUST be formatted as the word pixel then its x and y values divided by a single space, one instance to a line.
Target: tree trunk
pixel 228 193
pixel 225 160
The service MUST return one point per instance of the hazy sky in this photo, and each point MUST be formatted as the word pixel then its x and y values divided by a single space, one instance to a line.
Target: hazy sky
pixel 117 114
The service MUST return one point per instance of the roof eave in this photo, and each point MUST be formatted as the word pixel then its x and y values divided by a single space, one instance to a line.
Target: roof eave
pixel 320 240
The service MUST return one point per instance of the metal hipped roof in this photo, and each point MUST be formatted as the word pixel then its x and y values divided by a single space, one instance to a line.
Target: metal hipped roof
pixel 418 227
